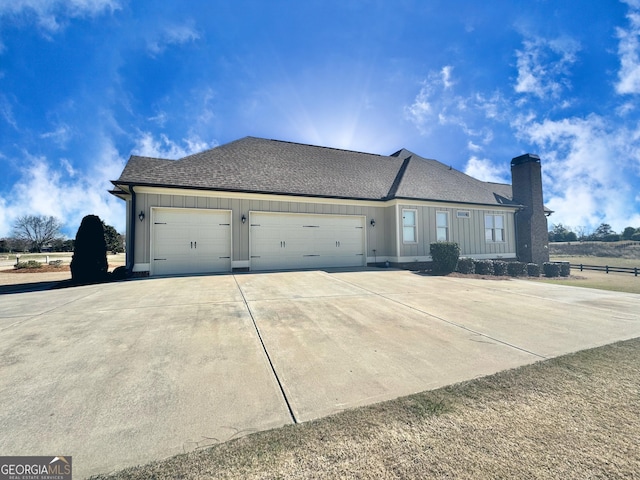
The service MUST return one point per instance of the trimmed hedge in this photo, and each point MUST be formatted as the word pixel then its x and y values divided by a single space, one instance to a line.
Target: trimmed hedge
pixel 517 269
pixel 29 265
pixel 445 257
pixel 565 269
pixel 484 267
pixel 551 269
pixel 499 268
pixel 466 265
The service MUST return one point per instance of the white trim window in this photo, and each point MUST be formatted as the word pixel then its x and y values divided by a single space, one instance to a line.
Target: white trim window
pixel 409 226
pixel 442 226
pixel 494 228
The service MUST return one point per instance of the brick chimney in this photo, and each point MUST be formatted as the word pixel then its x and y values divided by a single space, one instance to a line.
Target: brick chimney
pixel 532 237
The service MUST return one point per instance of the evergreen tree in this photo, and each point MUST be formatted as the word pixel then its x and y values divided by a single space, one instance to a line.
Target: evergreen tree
pixel 113 239
pixel 89 262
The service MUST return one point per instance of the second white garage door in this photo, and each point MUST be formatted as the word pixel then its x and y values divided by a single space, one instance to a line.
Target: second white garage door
pixel 186 240
pixel 291 240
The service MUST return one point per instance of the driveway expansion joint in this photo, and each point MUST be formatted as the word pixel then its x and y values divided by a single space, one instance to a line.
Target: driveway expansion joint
pixel 266 352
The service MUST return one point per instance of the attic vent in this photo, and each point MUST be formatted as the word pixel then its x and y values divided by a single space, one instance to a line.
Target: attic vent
pixel 463 214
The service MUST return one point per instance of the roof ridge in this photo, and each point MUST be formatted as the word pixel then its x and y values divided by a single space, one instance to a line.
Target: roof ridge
pixel 319 146
pixel 151 158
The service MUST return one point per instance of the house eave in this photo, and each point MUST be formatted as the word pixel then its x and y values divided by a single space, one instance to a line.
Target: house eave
pixel 457 202
pixel 124 193
pixel 246 191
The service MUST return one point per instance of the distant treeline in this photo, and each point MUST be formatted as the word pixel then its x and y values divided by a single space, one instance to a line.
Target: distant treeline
pixel 604 233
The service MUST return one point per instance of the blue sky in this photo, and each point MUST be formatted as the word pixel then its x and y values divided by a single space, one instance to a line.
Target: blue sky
pixel 84 84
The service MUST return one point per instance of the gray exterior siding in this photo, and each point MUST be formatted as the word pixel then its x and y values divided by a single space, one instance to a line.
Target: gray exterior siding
pixel 469 233
pixel 376 236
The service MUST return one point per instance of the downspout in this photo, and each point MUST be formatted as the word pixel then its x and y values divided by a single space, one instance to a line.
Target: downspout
pixel 132 236
pixel 515 225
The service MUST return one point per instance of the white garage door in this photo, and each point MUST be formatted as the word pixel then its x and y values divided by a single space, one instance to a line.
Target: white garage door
pixel 290 240
pixel 190 241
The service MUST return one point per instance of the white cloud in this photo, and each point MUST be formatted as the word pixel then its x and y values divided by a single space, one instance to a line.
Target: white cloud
pixel 494 107
pixel 625 108
pixel 68 167
pixel 160 119
pixel 446 76
pixel 487 171
pixel 432 101
pixel 51 15
pixel 172 35
pixel 589 168
pixel 6 112
pixel 437 104
pixel 543 66
pixel 148 146
pixel 473 147
pixel 629 52
pixel 419 112
pixel 65 192
pixel 591 164
pixel 60 135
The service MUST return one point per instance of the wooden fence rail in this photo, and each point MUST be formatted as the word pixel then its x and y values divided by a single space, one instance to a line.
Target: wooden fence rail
pixel 607 268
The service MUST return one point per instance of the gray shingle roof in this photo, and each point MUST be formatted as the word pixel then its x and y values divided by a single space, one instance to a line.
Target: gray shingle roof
pixel 139 167
pixel 432 180
pixel 272 166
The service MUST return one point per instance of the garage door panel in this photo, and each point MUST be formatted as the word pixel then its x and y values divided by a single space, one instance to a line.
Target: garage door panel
pixel 190 241
pixel 289 241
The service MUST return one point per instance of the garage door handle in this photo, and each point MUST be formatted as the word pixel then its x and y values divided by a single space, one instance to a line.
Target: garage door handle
pixel 283 244
pixel 191 244
pixel 195 244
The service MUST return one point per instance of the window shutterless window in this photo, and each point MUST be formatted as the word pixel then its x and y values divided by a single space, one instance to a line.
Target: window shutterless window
pixel 409 230
pixel 494 228
pixel 442 226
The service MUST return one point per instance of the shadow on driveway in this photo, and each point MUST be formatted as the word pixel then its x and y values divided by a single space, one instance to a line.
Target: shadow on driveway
pixel 45 285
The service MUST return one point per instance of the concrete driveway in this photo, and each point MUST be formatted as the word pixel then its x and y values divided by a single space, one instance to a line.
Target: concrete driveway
pixel 126 373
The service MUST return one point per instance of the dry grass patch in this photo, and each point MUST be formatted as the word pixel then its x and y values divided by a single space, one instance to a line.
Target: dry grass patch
pixel 618 282
pixel 572 417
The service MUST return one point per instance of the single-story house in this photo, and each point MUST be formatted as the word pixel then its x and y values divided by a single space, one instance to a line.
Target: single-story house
pixel 257 204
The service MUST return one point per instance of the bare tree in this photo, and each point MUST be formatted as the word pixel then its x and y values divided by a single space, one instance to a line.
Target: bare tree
pixel 37 230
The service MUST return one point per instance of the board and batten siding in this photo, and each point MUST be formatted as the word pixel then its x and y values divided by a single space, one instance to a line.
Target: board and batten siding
pixel 385 237
pixel 468 233
pixel 375 236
